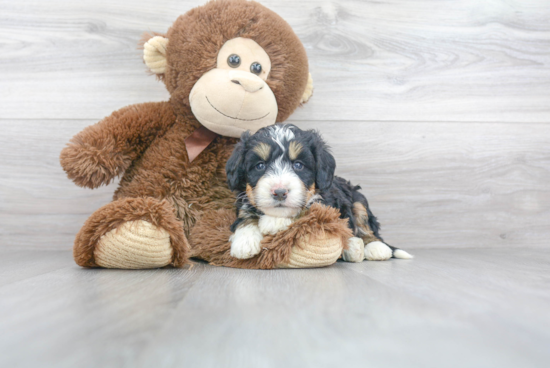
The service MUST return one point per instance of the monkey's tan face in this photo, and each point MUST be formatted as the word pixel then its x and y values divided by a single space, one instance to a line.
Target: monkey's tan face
pixel 234 97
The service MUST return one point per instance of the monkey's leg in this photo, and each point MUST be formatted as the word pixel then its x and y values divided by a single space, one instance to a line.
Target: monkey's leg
pixel 314 240
pixel 132 233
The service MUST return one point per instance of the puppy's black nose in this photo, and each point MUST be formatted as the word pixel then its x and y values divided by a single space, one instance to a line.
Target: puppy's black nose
pixel 280 194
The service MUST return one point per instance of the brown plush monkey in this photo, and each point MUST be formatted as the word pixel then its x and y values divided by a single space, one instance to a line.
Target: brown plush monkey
pixel 230 66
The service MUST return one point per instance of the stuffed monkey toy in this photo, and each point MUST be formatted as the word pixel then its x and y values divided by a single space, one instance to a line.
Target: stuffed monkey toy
pixel 230 66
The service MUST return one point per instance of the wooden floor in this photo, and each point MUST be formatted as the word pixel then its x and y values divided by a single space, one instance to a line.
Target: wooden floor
pixel 446 308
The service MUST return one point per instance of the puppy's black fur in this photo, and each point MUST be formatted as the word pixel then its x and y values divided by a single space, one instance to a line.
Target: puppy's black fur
pixel 304 157
pixel 342 195
pixel 316 168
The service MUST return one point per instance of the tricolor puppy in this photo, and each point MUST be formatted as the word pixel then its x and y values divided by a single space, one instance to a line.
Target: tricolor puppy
pixel 279 172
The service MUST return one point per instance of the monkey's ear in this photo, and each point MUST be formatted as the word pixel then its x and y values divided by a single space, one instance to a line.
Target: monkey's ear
pixel 235 165
pixel 308 91
pixel 154 54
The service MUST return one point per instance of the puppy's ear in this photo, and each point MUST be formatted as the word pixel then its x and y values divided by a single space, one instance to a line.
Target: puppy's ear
pixel 235 165
pixel 324 161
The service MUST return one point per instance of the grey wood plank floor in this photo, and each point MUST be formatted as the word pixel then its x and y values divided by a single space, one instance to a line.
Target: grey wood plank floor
pixel 445 308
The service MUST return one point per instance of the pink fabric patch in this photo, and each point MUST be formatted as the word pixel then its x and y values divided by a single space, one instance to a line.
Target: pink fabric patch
pixel 198 141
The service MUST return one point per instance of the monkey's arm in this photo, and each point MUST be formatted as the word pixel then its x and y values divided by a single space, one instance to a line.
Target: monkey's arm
pixel 105 150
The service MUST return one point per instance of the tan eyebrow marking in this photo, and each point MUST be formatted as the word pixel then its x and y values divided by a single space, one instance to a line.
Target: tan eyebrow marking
pixel 250 194
pixel 311 192
pixel 294 150
pixel 263 150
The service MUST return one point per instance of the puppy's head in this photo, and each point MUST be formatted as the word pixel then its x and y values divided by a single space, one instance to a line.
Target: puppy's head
pixel 280 168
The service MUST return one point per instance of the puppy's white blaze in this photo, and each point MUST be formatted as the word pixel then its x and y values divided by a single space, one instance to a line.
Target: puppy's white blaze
pixel 401 254
pixel 280 133
pixel 377 251
pixel 279 167
pixel 280 175
pixel 245 243
pixel 270 225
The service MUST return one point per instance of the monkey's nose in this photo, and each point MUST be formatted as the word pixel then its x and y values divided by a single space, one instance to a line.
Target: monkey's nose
pixel 279 194
pixel 248 81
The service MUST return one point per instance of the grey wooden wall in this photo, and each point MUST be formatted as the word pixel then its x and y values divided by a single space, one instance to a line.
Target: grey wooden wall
pixel 439 109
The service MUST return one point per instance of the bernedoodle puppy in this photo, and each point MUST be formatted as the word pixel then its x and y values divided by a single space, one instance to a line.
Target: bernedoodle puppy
pixel 278 173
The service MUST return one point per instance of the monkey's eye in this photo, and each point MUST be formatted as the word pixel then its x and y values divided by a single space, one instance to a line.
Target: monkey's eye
pixel 234 60
pixel 298 166
pixel 256 68
pixel 260 166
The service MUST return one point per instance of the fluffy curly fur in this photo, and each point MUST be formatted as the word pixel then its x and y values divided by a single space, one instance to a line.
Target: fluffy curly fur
pixel 210 237
pixel 146 142
pixel 197 36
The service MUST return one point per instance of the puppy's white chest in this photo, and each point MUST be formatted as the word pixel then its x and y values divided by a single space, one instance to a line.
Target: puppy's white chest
pixel 270 225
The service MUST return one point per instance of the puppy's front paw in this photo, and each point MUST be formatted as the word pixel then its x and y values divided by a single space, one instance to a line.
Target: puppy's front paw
pixel 245 243
pixel 355 251
pixel 272 225
pixel 377 251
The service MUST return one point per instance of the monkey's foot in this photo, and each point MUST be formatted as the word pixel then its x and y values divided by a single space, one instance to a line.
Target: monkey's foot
pixel 134 245
pixel 317 253
pixel 132 233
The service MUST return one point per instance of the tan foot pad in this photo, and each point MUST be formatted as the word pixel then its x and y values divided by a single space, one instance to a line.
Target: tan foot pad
pixel 134 245
pixel 319 253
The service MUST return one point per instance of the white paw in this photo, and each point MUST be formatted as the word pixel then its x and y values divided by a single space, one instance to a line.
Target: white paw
pixel 270 225
pixel 377 251
pixel 245 243
pixel 355 251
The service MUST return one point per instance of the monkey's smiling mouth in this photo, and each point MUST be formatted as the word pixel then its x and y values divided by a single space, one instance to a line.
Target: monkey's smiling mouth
pixel 231 117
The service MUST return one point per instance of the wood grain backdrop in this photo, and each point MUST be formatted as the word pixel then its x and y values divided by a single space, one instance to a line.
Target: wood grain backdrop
pixel 439 109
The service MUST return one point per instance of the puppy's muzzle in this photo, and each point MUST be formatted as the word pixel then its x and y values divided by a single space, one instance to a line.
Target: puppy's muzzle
pixel 279 194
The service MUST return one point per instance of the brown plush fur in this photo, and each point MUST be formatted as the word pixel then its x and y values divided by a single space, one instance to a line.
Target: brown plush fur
pixel 146 143
pixel 99 153
pixel 209 237
pixel 197 36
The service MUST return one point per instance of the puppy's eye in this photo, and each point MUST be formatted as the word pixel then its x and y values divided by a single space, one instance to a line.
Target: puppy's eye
pixel 298 166
pixel 234 60
pixel 260 166
pixel 256 68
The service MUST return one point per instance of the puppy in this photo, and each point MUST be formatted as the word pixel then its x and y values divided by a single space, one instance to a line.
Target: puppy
pixel 278 173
